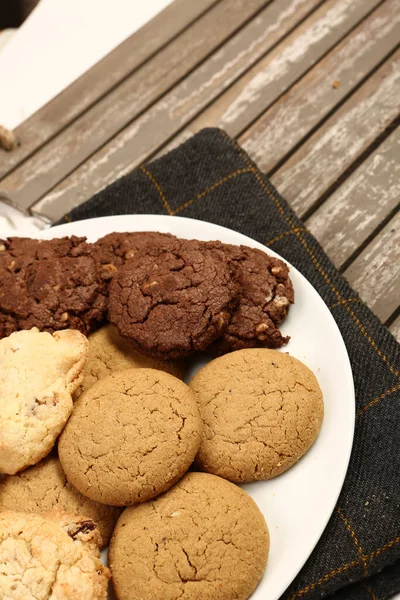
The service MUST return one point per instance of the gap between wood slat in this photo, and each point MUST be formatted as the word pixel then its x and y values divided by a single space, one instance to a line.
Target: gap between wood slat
pixel 122 152
pixel 102 78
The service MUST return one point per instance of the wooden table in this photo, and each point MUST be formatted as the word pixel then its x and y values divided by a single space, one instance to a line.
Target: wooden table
pixel 310 88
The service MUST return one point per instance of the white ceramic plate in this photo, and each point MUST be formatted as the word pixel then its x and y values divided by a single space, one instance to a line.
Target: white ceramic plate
pixel 297 504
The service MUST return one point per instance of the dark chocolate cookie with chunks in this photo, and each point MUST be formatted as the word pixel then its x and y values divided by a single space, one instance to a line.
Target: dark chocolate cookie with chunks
pixel 174 301
pixel 266 295
pixel 50 284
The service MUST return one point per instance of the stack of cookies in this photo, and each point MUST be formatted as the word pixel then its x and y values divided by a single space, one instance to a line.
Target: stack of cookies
pixel 100 439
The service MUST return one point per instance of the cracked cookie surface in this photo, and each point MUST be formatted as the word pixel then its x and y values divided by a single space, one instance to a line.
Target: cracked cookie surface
pixel 204 538
pixel 261 411
pixel 44 487
pixel 264 301
pixel 50 558
pixel 131 436
pixel 174 302
pixel 109 352
pixel 50 284
pixel 39 373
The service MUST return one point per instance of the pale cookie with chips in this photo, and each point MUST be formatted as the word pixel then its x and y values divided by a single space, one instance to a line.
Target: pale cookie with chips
pixel 110 352
pixel 38 374
pixel 44 487
pixel 261 411
pixel 205 538
pixel 50 558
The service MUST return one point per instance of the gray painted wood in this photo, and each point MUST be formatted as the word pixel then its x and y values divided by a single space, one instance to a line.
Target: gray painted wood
pixel 341 140
pixel 96 82
pixel 367 197
pixel 145 135
pixel 115 111
pixel 395 329
pixel 275 73
pixel 299 110
pixel 375 274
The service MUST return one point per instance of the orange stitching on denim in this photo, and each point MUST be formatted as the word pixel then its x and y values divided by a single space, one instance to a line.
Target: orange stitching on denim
pixel 311 254
pixel 210 189
pixel 373 595
pixel 158 188
pixel 343 568
pixel 355 540
pixel 282 235
pixel 385 394
pixel 344 301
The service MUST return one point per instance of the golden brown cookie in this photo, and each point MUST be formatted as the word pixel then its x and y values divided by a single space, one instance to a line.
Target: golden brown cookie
pixel 39 373
pixel 205 538
pixel 109 352
pixel 261 411
pixel 44 487
pixel 131 436
pixel 52 558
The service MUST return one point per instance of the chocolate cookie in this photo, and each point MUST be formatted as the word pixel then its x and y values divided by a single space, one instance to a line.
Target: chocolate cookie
pixel 50 284
pixel 171 303
pixel 114 249
pixel 266 294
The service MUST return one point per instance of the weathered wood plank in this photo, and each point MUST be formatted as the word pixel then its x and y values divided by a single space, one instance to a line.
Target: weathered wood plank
pixel 146 134
pixel 326 155
pixel 375 274
pixel 299 111
pixel 103 76
pixel 112 113
pixel 366 198
pixel 395 328
pixel 265 82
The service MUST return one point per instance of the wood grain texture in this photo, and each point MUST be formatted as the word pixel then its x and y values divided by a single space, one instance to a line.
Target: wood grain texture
pixel 299 110
pixel 96 82
pixel 264 83
pixel 112 113
pixel 395 329
pixel 375 274
pixel 313 169
pixel 367 197
pixel 147 133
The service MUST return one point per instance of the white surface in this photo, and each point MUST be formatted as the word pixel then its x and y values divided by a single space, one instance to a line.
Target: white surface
pixel 297 504
pixel 59 41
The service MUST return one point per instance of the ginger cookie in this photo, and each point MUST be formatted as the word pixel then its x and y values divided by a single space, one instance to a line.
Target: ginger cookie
pixel 44 487
pixel 265 298
pixel 39 373
pixel 173 302
pixel 50 284
pixel 52 557
pixel 131 436
pixel 204 538
pixel 261 411
pixel 109 352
